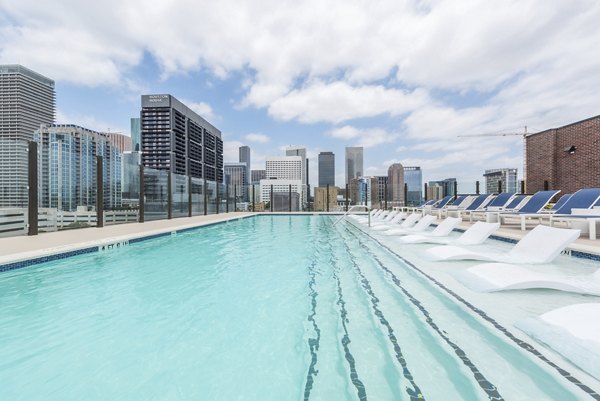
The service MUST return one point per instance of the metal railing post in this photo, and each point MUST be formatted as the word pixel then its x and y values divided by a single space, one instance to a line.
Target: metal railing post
pixel 546 186
pixel 477 187
pixel 327 199
pixel 32 181
pixel 455 189
pixel 169 195
pixel 142 195
pixel 405 194
pixel 189 196
pixel 271 199
pixel 499 186
pixel 523 186
pixel 346 197
pixel 205 197
pixel 290 198
pixel 425 193
pixel 235 198
pixel 99 193
pixel 385 196
pixel 253 209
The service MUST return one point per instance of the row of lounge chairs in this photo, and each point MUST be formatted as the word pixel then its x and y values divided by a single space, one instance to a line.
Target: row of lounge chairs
pixel 570 330
pixel 578 210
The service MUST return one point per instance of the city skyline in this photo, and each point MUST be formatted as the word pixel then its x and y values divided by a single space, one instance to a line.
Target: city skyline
pixel 259 84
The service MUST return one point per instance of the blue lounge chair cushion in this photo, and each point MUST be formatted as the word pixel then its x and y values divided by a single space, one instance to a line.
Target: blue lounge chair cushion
pixel 477 202
pixel 582 199
pixel 538 201
pixel 501 200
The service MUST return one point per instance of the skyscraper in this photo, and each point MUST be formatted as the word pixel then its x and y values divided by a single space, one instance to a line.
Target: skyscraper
pixel 244 156
pixel 281 173
pixel 413 176
pixel 136 133
pixel 396 183
pixel 176 139
pixel 27 100
pixel 120 141
pixel 354 163
pixel 257 175
pixel 382 181
pixel 284 168
pixel 236 176
pixel 299 151
pixel 67 167
pixel 508 177
pixel 326 169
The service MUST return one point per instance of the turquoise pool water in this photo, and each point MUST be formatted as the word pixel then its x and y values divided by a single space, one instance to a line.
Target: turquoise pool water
pixel 266 308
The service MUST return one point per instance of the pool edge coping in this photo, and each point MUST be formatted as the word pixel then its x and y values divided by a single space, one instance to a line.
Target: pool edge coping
pixel 29 258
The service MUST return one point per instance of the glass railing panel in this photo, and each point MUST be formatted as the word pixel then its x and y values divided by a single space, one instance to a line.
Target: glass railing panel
pixel 197 190
pixel 211 194
pixel 179 195
pixel 155 194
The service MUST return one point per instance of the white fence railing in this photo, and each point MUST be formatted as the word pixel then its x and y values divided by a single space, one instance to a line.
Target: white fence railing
pixel 14 221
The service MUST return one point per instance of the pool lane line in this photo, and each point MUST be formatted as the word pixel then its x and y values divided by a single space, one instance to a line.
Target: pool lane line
pixel 415 392
pixel 313 343
pixel 360 387
pixel 488 387
pixel 523 344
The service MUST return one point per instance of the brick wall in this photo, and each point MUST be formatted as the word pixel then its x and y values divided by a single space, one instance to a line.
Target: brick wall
pixel 541 165
pixel 548 160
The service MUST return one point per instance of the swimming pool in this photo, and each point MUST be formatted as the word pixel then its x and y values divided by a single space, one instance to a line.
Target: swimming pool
pixel 264 308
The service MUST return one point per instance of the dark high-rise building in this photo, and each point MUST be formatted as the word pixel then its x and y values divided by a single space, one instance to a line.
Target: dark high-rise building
pixel 245 156
pixel 382 181
pixel 177 139
pixel 257 175
pixel 326 169
pixel 27 100
pixel 413 177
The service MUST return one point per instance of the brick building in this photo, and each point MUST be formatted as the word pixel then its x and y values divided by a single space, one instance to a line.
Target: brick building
pixel 567 157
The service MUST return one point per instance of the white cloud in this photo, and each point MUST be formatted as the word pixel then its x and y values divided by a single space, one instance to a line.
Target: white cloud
pixel 89 122
pixel 339 101
pixel 203 109
pixel 365 137
pixel 259 138
pixel 231 151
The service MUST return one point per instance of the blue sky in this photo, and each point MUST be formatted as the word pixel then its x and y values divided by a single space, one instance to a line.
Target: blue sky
pixel 402 78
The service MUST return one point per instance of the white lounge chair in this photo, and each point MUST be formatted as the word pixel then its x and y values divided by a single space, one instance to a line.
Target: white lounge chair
pixel 478 203
pixel 390 216
pixel 541 245
pixel 394 223
pixel 422 225
pixel 474 235
pixel 408 222
pixel 490 277
pixel 573 331
pixel 442 230
pixel 379 215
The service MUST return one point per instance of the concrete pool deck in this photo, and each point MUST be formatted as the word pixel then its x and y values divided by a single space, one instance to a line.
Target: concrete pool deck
pixel 13 249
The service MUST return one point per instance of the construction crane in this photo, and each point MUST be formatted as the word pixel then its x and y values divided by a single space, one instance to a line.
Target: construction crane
pixel 523 134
